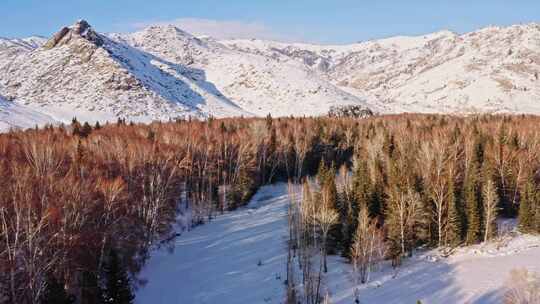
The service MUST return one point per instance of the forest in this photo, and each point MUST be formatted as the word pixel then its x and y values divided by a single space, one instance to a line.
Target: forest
pixel 81 206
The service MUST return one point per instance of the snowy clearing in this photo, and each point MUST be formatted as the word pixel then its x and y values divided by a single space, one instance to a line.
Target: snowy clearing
pixel 219 261
pixel 474 274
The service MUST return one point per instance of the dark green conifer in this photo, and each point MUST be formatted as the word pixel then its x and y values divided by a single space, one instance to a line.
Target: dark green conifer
pixel 455 218
pixel 86 130
pixel 55 293
pixel 117 285
pixel 474 221
pixel 526 207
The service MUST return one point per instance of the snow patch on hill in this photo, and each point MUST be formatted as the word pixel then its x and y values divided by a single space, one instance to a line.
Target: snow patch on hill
pixel 15 116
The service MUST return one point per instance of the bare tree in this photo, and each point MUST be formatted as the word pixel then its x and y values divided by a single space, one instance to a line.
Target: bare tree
pixel 368 247
pixel 325 218
pixel 434 157
pixel 404 208
pixel 523 287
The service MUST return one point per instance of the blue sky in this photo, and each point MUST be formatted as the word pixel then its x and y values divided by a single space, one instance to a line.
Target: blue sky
pixel 323 21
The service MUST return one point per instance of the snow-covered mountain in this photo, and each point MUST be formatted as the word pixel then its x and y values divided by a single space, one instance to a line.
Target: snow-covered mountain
pixel 14 115
pixel 159 73
pixel 79 72
pixel 258 84
pixel 162 73
pixel 491 70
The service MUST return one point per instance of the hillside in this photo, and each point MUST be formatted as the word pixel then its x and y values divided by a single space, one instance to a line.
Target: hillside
pixel 160 73
pixel 82 73
pixel 13 115
pixel 491 70
pixel 163 73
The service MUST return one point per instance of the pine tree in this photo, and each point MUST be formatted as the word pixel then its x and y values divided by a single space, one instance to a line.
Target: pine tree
pixel 55 292
pixel 334 243
pixel 76 130
pixel 455 219
pixel 91 292
pixel 526 205
pixel 322 173
pixel 473 210
pixel 86 130
pixel 490 208
pixel 117 287
pixel 361 197
pixel 362 188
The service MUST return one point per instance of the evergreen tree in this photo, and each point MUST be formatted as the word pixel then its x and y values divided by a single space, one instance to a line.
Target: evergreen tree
pixel 474 221
pixel 242 190
pixel 269 121
pixel 526 207
pixel 86 130
pixel 322 173
pixel 490 209
pixel 91 292
pixel 361 197
pixel 362 189
pixel 76 129
pixel 334 242
pixel 55 292
pixel 455 218
pixel 117 286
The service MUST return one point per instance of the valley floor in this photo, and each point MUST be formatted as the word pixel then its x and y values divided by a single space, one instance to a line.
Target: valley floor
pixel 475 274
pixel 240 258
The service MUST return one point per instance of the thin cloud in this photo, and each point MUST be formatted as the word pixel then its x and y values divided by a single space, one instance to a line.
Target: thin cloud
pixel 229 29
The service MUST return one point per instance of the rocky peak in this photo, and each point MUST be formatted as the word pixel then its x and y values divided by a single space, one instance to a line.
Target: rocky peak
pixel 80 30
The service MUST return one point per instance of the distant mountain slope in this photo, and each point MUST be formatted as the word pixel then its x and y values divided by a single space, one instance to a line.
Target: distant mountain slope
pixel 160 73
pixel 13 116
pixel 490 70
pixel 163 73
pixel 258 84
pixel 81 73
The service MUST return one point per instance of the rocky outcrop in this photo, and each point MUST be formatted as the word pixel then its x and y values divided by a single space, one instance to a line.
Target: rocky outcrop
pixel 81 29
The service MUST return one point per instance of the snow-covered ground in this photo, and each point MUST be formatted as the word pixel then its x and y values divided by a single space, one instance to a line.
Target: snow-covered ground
pixel 475 274
pixel 219 263
pixel 239 257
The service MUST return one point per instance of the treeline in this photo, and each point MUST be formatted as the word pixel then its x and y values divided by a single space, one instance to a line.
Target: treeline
pixel 431 181
pixel 71 196
pixel 441 181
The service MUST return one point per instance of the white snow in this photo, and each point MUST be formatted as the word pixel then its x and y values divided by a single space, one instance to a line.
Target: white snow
pixel 219 262
pixel 14 116
pixel 490 70
pixel 475 274
pixel 163 72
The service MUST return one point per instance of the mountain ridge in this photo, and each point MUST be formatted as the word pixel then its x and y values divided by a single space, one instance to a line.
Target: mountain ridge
pixel 163 73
